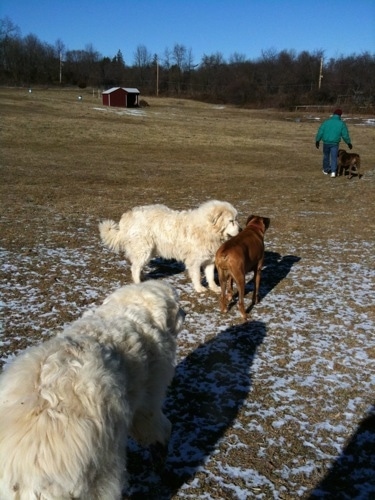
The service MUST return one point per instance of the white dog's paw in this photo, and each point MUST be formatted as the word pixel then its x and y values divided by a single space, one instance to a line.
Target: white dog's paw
pixel 215 288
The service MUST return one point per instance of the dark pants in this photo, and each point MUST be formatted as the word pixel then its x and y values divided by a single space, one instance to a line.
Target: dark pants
pixel 330 158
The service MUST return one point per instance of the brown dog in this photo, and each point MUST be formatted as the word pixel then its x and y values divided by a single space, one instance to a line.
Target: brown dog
pixel 351 161
pixel 239 255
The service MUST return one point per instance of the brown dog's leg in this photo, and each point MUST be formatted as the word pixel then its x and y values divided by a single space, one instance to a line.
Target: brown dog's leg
pixel 351 165
pixel 223 280
pixel 339 168
pixel 229 288
pixel 240 282
pixel 355 165
pixel 257 276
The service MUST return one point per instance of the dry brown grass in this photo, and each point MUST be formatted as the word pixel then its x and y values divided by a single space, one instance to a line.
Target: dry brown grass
pixel 64 161
pixel 65 154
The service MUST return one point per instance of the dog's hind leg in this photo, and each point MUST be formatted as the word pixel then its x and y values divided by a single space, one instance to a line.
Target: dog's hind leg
pixel 230 288
pixel 240 282
pixel 257 276
pixel 136 271
pixel 355 165
pixel 138 262
pixel 194 270
pixel 223 286
pixel 358 167
pixel 209 272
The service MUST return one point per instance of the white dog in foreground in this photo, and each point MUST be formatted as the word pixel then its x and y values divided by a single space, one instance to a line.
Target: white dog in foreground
pixel 189 236
pixel 68 405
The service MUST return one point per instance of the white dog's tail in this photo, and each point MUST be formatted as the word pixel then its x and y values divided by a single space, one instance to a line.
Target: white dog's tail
pixel 110 235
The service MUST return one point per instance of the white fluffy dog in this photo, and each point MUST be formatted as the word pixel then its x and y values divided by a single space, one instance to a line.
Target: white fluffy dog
pixel 189 236
pixel 68 405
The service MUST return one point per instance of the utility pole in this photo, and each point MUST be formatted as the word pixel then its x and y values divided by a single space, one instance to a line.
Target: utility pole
pixel 320 73
pixel 60 66
pixel 157 76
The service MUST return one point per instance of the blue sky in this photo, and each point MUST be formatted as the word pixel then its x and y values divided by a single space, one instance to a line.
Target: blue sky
pixel 245 27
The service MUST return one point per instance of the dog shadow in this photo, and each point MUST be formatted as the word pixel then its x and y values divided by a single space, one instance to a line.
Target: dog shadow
pixel 160 268
pixel 353 471
pixel 207 392
pixel 276 268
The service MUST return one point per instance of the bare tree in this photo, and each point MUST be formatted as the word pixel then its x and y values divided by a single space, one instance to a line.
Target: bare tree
pixel 237 58
pixel 10 48
pixel 179 55
pixel 142 57
pixel 8 29
pixel 167 58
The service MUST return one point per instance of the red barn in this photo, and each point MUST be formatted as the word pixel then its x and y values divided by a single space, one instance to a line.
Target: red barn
pixel 121 97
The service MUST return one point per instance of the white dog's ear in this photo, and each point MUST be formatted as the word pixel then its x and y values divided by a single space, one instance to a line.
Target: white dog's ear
pixel 181 315
pixel 215 217
pixel 170 317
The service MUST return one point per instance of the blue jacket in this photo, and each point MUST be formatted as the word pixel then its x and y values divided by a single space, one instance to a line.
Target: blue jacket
pixel 332 130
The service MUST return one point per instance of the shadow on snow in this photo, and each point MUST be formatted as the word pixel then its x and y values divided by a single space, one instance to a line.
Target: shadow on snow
pixel 208 390
pixel 275 269
pixel 352 475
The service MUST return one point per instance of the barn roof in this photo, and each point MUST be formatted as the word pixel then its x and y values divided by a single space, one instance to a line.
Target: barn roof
pixel 127 89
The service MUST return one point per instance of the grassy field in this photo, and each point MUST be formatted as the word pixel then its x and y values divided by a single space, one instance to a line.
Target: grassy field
pixel 275 408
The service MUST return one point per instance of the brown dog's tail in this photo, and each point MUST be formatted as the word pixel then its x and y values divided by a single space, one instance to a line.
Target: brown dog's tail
pixel 221 267
pixel 220 259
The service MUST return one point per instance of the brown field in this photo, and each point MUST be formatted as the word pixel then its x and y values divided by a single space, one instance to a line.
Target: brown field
pixel 66 164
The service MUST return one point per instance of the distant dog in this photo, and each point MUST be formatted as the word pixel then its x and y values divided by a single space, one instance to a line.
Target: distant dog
pixel 239 255
pixel 68 405
pixel 189 236
pixel 351 161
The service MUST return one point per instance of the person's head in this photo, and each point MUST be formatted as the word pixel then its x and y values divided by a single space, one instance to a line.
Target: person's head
pixel 338 112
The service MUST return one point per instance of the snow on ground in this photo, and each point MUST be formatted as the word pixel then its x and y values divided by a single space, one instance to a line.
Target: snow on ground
pixel 243 394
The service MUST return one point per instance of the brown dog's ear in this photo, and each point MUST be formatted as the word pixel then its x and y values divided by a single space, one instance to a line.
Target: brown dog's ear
pixel 249 219
pixel 267 222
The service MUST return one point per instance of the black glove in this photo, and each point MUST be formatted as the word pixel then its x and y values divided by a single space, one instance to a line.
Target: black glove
pixel 317 144
pixel 350 146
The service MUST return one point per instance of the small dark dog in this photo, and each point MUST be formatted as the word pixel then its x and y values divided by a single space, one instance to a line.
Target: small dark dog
pixel 348 161
pixel 239 255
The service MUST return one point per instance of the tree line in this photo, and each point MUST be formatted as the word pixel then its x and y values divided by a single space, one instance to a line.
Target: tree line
pixel 282 79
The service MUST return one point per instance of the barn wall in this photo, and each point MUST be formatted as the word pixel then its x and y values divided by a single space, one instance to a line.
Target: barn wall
pixel 120 98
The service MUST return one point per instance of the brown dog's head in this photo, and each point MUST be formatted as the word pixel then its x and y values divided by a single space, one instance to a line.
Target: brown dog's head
pixel 257 220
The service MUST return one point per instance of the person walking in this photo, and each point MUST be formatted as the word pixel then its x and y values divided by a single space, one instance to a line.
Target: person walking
pixel 331 131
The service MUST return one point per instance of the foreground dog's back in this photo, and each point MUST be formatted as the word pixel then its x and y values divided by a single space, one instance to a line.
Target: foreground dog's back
pixel 68 405
pixel 239 255
pixel 48 417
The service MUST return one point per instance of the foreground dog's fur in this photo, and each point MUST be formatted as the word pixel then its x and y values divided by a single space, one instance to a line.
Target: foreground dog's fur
pixel 348 161
pixel 239 255
pixel 189 236
pixel 68 405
